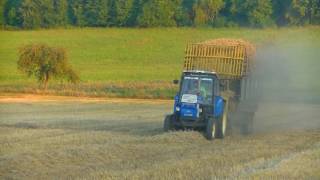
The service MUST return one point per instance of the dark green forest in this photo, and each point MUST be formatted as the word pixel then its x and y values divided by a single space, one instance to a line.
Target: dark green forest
pixel 31 14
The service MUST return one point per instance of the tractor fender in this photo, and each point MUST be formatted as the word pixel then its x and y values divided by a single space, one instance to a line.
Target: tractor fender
pixel 218 106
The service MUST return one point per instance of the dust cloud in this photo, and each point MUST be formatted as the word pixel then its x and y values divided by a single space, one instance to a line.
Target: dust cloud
pixel 289 85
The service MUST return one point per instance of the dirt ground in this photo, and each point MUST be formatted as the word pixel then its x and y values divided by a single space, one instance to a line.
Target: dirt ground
pixel 59 138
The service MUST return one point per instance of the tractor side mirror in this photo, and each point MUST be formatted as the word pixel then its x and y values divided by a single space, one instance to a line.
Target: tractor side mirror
pixel 175 81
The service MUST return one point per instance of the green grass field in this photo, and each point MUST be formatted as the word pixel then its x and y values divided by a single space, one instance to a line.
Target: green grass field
pixel 111 61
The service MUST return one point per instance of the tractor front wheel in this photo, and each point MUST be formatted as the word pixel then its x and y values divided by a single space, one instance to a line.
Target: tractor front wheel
pixel 168 124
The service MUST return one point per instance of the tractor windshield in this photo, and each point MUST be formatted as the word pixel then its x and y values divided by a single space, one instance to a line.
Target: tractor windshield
pixel 199 87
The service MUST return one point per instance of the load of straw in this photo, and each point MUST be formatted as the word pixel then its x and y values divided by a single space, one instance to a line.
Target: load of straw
pixel 250 48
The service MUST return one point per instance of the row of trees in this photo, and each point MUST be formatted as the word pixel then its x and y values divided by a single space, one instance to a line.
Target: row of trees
pixel 153 13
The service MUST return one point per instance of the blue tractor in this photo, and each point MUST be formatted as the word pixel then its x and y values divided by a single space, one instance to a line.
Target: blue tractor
pixel 199 105
pixel 214 88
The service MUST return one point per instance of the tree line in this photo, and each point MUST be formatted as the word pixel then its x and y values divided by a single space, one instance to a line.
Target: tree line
pixel 30 14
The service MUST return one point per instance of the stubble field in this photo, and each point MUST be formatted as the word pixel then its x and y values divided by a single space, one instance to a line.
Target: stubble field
pixel 123 139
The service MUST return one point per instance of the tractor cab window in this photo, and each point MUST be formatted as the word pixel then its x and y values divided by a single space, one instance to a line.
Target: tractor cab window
pixel 199 86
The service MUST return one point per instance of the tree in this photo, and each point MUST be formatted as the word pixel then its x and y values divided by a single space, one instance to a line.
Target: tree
pixel 184 14
pixel 103 13
pixel 2 4
pixel 43 13
pixel 95 12
pixel 205 11
pixel 123 10
pixel 301 12
pixel 312 13
pixel 30 14
pixel 134 13
pixel 149 13
pixel 297 12
pixel 60 8
pixel 316 18
pixel 260 14
pixel 91 12
pixel 159 13
pixel 280 11
pixel 12 15
pixel 76 12
pixel 255 13
pixel 45 62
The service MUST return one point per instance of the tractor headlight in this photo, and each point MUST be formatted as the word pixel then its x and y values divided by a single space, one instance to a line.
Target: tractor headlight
pixel 177 108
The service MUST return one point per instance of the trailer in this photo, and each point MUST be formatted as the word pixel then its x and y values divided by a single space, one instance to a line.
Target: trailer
pixel 217 90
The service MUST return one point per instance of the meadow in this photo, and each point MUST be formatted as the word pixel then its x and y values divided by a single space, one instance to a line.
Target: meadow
pixel 126 62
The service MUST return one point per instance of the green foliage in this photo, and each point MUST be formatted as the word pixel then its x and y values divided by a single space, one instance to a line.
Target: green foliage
pixel 150 13
pixel 96 13
pixel 31 15
pixel 182 18
pixel 159 13
pixel 296 12
pixel 255 13
pixel 206 11
pixel 45 62
pixel 302 12
pixel 280 9
pixel 61 12
pixel 43 13
pixel 2 3
pixel 123 10
pixel 12 15
pixel 260 13
pixel 314 12
pixel 76 12
pixel 184 14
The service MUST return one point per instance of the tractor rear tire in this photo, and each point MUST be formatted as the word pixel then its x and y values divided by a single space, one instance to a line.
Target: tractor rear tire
pixel 222 124
pixel 211 132
pixel 168 124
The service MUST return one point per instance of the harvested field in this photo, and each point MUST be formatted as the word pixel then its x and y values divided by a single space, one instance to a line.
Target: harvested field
pixel 62 139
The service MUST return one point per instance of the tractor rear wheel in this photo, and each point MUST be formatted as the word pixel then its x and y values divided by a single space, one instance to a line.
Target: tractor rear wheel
pixel 222 122
pixel 211 129
pixel 222 125
pixel 168 124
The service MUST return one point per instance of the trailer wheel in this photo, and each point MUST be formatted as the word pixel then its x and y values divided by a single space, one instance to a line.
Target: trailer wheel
pixel 230 125
pixel 247 126
pixel 210 129
pixel 168 124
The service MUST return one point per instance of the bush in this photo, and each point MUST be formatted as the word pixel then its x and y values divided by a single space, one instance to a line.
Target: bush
pixel 45 62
